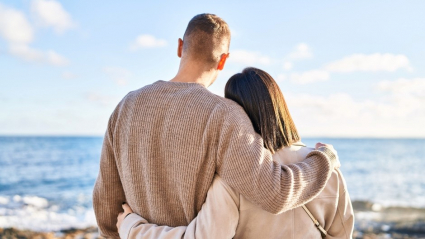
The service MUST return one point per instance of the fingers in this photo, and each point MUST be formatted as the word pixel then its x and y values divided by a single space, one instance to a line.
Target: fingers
pixel 318 145
pixel 122 215
pixel 127 208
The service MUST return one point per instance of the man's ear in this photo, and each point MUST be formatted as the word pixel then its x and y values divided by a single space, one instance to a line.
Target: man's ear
pixel 222 61
pixel 180 48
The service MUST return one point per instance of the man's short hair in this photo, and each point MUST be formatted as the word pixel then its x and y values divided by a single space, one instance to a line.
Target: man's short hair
pixel 205 38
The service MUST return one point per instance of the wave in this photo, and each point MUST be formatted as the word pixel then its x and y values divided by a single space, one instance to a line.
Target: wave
pixel 38 214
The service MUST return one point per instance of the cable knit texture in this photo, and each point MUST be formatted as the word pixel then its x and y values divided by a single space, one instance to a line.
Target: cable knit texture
pixel 165 142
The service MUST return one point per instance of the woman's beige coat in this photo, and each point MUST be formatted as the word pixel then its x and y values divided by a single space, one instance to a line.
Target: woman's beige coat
pixel 227 214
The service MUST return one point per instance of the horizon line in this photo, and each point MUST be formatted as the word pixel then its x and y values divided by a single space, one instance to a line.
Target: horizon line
pixel 305 137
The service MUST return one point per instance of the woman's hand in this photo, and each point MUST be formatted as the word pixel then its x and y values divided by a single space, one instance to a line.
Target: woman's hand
pixel 337 164
pixel 122 215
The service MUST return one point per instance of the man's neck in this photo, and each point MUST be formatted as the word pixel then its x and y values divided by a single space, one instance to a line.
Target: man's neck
pixel 192 73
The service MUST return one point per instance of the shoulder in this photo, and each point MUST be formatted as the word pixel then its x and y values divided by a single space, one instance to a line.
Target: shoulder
pixel 225 105
pixel 224 111
pixel 143 92
pixel 232 112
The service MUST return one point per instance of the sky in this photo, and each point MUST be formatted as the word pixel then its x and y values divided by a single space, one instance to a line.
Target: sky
pixel 346 69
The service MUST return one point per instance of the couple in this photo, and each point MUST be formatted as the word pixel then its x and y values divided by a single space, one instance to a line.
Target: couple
pixel 190 164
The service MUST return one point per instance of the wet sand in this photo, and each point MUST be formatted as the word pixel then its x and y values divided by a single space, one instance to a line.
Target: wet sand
pixel 373 221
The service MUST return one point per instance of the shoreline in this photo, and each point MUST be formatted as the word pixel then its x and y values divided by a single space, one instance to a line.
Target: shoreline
pixel 375 221
pixel 86 233
pixel 371 221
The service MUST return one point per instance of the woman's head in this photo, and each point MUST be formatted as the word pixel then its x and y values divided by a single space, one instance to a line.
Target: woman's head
pixel 260 96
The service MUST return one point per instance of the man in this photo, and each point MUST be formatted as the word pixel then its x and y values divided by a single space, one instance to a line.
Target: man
pixel 165 142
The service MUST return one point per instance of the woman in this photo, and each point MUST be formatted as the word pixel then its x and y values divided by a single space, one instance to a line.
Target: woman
pixel 227 214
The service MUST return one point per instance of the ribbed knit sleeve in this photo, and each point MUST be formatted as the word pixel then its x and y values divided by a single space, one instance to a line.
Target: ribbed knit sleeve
pixel 245 165
pixel 166 141
pixel 108 193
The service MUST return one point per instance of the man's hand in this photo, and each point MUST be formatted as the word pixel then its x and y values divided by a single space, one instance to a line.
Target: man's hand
pixel 337 164
pixel 318 145
pixel 122 215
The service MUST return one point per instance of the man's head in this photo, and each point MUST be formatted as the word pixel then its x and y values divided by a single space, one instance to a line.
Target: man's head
pixel 206 41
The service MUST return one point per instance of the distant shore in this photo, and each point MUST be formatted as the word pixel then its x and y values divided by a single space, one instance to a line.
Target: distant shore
pixel 372 221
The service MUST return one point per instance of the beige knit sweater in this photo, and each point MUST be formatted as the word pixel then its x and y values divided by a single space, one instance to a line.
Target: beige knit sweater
pixel 227 214
pixel 165 142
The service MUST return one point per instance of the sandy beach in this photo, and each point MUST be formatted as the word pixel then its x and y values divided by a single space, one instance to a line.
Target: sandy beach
pixel 373 221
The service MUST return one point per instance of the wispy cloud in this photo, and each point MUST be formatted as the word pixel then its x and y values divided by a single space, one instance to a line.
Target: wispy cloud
pixel 19 33
pixel 33 55
pixel 301 51
pixel 14 26
pixel 405 86
pixel 50 13
pixel 248 58
pixel 408 95
pixel 354 63
pixel 400 112
pixel 287 65
pixel 119 75
pixel 147 41
pixel 280 77
pixel 373 62
pixel 310 76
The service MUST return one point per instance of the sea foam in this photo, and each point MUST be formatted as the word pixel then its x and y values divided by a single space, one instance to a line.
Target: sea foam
pixel 35 213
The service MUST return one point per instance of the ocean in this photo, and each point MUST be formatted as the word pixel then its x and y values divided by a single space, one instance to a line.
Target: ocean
pixel 46 182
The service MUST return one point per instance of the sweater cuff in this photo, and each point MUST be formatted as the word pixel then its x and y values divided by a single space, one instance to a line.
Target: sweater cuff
pixel 129 222
pixel 332 156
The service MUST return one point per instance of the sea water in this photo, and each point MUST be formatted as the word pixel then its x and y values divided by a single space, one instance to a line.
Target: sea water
pixel 46 182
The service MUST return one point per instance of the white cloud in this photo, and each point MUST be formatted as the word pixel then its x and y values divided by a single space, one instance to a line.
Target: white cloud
pixel 412 87
pixel 119 75
pixel 248 57
pixel 56 59
pixel 147 41
pixel 287 65
pixel 50 13
pixel 372 62
pixel 353 63
pixel 281 77
pixel 18 32
pixel 301 51
pixel 399 113
pixel 14 26
pixel 26 53
pixel 33 55
pixel 310 76
pixel 407 94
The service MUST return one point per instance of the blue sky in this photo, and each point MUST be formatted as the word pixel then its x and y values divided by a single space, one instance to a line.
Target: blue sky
pixel 347 69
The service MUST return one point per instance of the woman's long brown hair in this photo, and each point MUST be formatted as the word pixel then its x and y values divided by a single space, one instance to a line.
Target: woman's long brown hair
pixel 257 92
